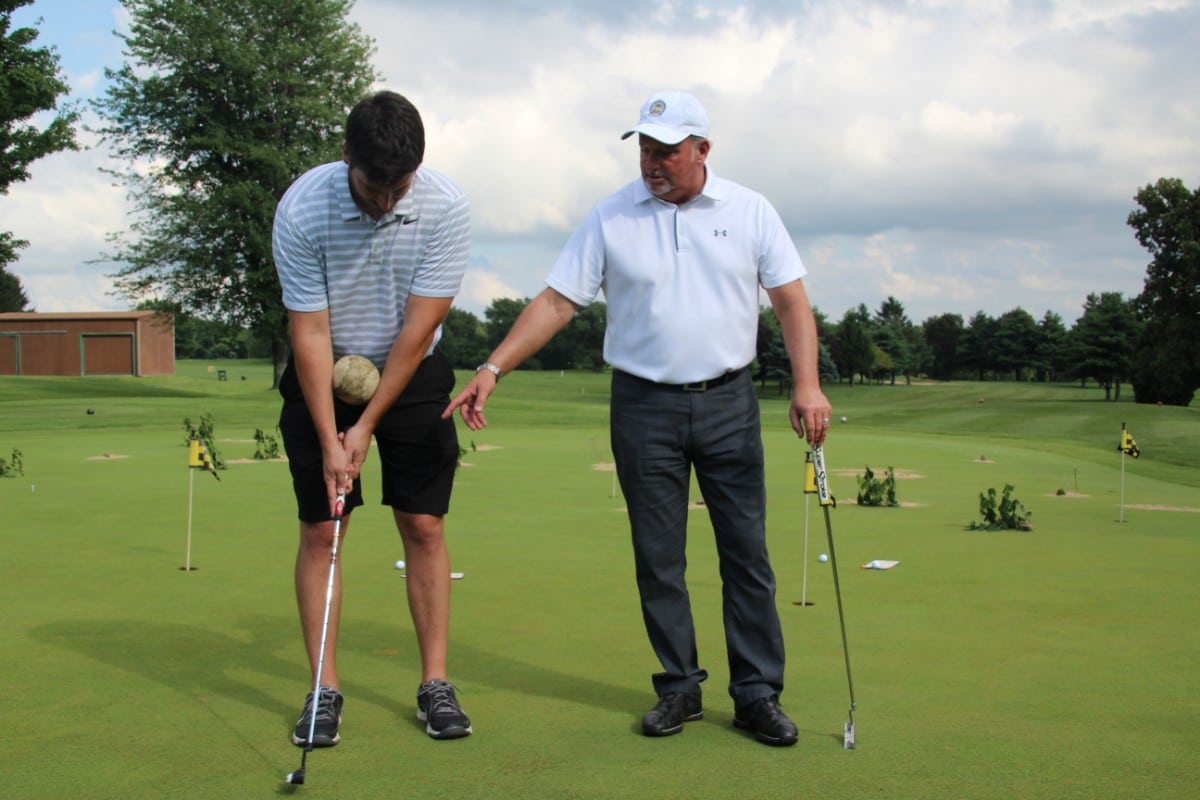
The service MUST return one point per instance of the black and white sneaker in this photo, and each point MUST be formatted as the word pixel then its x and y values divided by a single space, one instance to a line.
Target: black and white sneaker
pixel 329 719
pixel 438 708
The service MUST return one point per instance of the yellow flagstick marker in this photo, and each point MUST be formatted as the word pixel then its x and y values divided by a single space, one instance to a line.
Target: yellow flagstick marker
pixel 810 487
pixel 1128 447
pixel 193 461
pixel 810 474
pixel 198 457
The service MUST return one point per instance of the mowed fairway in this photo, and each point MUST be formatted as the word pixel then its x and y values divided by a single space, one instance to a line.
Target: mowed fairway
pixel 1056 663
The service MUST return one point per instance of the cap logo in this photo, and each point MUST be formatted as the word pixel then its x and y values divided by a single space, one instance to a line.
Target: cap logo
pixel 657 108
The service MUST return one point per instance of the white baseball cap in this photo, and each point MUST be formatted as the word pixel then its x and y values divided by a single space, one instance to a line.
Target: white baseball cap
pixel 670 117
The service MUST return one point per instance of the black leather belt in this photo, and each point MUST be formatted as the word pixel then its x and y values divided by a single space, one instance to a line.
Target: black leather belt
pixel 696 386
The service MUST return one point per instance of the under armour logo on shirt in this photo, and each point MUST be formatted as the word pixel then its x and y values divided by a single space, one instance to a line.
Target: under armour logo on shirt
pixel 720 232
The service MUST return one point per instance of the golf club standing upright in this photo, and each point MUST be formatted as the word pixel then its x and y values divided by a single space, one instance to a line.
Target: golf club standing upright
pixel 339 505
pixel 826 500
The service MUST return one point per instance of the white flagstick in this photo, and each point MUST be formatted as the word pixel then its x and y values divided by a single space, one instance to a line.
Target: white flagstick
pixel 804 573
pixel 187 563
pixel 1121 516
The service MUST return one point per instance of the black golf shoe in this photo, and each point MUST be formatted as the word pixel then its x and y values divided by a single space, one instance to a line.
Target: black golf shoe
pixel 767 721
pixel 673 709
pixel 438 708
pixel 329 719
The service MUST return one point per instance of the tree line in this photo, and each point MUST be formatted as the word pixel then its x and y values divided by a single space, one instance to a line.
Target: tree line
pixel 221 104
pixel 871 347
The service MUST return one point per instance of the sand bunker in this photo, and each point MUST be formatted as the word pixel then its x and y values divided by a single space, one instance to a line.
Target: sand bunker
pixel 900 474
pixel 1163 508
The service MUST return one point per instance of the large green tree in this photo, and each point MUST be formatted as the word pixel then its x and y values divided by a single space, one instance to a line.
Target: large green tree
pixel 902 341
pixel 30 83
pixel 977 345
pixel 1103 341
pixel 464 339
pixel 1168 359
pixel 853 350
pixel 500 316
pixel 1016 342
pixel 941 335
pixel 580 345
pixel 12 293
pixel 1050 356
pixel 219 106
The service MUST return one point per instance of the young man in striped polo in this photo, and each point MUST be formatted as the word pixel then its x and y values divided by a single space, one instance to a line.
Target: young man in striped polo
pixel 370 252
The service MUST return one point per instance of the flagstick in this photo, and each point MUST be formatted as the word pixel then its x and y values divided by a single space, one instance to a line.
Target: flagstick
pixel 187 564
pixel 804 579
pixel 1122 515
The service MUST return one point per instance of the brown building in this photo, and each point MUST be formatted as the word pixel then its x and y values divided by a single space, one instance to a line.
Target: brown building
pixel 92 343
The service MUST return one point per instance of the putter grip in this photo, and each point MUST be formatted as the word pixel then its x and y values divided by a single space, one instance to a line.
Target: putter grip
pixel 822 479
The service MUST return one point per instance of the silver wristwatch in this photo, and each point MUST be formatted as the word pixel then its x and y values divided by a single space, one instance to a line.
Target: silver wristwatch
pixel 490 367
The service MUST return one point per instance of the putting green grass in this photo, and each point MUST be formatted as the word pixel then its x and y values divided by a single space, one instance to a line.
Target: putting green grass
pixel 1055 663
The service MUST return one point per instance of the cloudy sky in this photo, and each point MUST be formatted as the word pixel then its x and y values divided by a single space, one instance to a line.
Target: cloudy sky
pixel 978 155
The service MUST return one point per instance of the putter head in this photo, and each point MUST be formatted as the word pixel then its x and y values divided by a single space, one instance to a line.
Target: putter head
pixel 296 778
pixel 848 737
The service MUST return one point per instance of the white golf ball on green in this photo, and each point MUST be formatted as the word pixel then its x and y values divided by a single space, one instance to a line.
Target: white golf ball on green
pixel 400 564
pixel 822 558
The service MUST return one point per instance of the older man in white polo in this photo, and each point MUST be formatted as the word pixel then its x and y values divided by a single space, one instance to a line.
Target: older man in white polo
pixel 680 255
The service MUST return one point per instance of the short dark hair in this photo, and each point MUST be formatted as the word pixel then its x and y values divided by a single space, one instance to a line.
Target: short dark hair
pixel 385 137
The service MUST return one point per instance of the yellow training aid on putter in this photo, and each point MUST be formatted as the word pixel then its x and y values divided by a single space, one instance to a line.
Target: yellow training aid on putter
pixel 810 475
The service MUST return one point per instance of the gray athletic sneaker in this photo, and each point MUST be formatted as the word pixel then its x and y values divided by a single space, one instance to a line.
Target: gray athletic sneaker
pixel 438 708
pixel 329 719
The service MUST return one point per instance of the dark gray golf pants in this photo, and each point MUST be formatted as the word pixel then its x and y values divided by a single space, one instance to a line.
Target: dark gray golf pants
pixel 659 433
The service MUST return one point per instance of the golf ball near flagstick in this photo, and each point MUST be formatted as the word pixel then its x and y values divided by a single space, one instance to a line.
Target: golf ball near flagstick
pixel 454 576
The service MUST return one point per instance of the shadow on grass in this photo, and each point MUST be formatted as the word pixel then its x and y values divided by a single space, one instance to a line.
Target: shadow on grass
pixel 475 666
pixel 192 660
pixel 197 662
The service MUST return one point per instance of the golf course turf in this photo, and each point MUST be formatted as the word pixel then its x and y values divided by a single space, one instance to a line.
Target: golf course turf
pixel 1060 662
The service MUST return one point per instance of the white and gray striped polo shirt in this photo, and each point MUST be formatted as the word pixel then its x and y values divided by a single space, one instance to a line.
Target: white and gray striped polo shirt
pixel 330 254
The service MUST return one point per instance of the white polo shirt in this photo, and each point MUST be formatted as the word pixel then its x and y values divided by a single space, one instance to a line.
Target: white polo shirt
pixel 329 253
pixel 681 281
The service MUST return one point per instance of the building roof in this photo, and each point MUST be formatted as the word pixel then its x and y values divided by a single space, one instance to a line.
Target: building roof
pixel 28 316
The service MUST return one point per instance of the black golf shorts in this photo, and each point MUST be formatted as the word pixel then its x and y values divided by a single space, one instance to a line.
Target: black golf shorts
pixel 418 450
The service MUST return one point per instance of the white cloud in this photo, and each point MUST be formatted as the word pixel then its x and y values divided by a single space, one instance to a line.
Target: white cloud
pixel 65 211
pixel 958 156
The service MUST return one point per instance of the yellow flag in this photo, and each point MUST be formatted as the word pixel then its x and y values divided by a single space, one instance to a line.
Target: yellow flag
pixel 1128 445
pixel 198 458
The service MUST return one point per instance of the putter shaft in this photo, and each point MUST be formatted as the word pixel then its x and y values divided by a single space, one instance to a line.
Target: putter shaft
pixel 827 501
